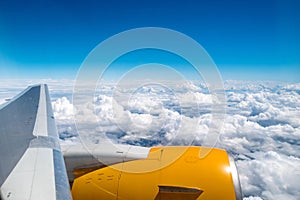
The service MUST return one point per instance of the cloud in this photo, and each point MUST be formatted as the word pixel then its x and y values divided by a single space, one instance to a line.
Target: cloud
pixel 270 175
pixel 261 127
pixel 62 109
pixel 64 112
pixel 262 131
pixel 252 198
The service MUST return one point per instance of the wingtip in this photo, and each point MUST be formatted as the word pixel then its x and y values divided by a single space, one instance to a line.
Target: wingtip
pixel 38 85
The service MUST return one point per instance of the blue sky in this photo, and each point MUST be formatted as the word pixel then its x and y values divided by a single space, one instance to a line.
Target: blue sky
pixel 248 40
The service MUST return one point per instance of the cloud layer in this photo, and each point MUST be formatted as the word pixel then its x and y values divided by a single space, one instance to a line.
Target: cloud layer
pixel 261 126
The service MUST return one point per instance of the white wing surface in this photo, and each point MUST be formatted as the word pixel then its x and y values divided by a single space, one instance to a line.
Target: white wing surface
pixel 32 166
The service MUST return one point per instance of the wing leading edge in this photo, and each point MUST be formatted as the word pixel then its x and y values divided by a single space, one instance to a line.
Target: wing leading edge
pixel 32 166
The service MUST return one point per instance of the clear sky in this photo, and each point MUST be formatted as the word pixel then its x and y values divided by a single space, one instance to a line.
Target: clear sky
pixel 247 39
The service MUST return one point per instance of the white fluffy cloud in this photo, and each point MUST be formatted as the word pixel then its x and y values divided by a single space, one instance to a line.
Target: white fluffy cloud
pixel 261 127
pixel 270 175
pixel 62 109
pixel 252 198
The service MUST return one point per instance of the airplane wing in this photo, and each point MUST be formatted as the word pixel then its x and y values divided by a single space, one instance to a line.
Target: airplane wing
pixel 32 165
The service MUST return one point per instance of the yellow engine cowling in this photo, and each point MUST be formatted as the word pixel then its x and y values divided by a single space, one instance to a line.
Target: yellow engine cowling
pixel 167 173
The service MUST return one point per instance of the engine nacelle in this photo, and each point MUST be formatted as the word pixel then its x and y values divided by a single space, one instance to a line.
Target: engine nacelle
pixel 167 173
